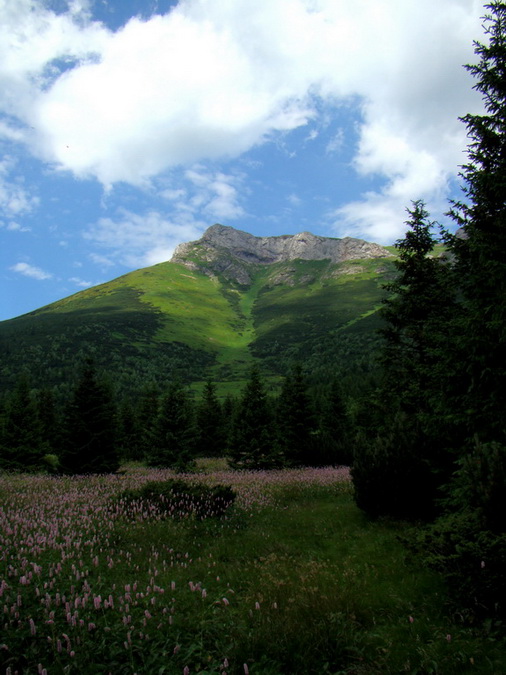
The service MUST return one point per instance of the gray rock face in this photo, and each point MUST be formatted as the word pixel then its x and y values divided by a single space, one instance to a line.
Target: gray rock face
pixel 228 251
pixel 266 250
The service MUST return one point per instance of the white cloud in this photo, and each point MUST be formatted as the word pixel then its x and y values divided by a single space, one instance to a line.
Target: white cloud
pixel 141 240
pixel 336 142
pixel 15 199
pixel 216 194
pixel 16 227
pixel 31 271
pixel 211 80
pixel 294 200
pixel 81 283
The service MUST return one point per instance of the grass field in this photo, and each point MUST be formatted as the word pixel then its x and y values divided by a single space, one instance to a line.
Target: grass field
pixel 293 580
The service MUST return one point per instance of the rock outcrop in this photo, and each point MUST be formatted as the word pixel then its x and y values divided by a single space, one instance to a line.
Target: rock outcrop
pixel 225 250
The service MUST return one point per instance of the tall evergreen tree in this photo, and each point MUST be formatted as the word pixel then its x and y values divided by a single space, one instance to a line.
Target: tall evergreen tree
pixel 399 472
pixel 417 311
pixel 252 439
pixel 90 427
pixel 295 422
pixel 211 436
pixel 476 395
pixel 480 254
pixel 49 420
pixel 147 415
pixel 174 433
pixel 128 432
pixel 334 435
pixel 21 446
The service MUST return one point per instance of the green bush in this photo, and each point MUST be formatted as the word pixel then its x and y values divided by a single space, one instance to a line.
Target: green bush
pixel 179 499
pixel 471 559
pixel 480 483
pixel 390 476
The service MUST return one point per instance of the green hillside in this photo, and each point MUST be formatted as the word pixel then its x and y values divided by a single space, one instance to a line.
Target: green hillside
pixel 171 321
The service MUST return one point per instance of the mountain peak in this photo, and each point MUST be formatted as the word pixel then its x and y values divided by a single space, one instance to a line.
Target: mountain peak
pixel 218 240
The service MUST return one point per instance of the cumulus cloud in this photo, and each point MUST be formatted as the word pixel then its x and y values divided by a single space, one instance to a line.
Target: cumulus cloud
pixel 140 240
pixel 81 283
pixel 31 271
pixel 15 199
pixel 215 194
pixel 211 80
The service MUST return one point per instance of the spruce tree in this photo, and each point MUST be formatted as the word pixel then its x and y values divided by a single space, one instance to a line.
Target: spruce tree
pixel 128 432
pixel 295 422
pixel 174 433
pixel 252 438
pixel 480 254
pixel 334 437
pixel 476 397
pixel 211 436
pixel 21 444
pixel 147 415
pixel 90 427
pixel 400 470
pixel 419 305
pixel 49 420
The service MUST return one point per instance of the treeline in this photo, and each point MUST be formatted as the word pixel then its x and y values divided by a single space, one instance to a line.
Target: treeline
pixel 96 430
pixel 435 445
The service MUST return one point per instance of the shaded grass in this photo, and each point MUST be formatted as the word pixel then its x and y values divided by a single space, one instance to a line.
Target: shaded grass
pixel 293 580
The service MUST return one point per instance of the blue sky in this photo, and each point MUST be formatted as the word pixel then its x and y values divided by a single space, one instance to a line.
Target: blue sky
pixel 129 126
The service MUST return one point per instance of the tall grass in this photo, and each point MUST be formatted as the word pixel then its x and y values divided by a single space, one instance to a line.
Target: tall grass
pixel 292 580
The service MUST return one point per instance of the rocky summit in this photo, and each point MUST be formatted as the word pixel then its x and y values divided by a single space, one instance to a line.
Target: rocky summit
pixel 230 252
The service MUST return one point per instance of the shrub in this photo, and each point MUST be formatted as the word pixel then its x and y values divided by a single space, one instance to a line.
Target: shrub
pixel 471 559
pixel 179 499
pixel 480 483
pixel 390 476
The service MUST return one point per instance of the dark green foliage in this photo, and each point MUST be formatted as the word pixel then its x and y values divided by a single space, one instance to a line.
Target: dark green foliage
pixel 447 372
pixel 89 442
pixel 420 302
pixel 295 422
pixel 480 255
pixel 480 484
pixel 390 475
pixel 49 419
pixel 398 470
pixel 334 432
pixel 174 433
pixel 211 433
pixel 470 558
pixel 114 328
pixel 21 445
pixel 252 439
pixel 179 499
pixel 129 432
pixel 147 409
pixel 330 327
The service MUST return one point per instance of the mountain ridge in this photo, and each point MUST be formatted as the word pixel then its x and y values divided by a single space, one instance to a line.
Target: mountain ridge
pixel 220 304
pixel 228 251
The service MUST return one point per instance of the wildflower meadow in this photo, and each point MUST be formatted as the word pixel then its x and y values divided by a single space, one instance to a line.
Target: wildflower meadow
pixel 290 579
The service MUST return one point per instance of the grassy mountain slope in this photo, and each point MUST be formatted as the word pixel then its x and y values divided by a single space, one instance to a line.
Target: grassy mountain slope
pixel 169 320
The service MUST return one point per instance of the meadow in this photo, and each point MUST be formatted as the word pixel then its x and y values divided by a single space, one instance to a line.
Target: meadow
pixel 292 579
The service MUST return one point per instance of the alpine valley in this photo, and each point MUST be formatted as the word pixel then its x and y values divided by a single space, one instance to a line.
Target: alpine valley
pixel 220 304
